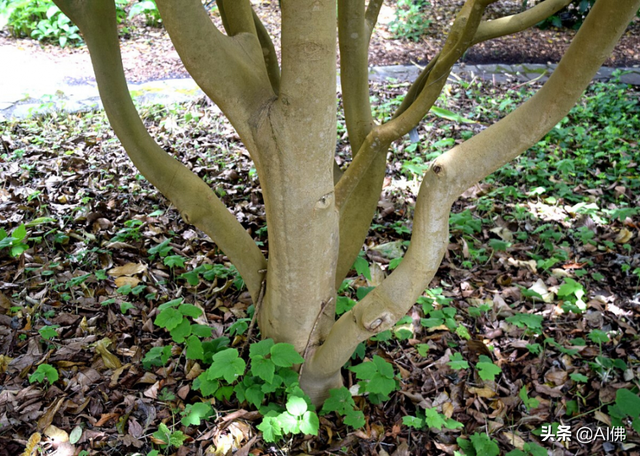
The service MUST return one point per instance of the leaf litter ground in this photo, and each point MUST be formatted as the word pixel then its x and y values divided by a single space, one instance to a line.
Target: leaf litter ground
pixel 531 319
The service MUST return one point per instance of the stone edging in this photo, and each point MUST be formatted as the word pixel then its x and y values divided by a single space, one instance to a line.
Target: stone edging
pixel 73 96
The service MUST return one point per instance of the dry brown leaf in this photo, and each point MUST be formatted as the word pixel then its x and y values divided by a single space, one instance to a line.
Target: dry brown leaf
pixel 124 280
pixel 602 417
pixel 110 360
pixel 514 440
pixel 485 391
pixel 128 269
pixel 46 419
pixel 56 434
pixel 623 236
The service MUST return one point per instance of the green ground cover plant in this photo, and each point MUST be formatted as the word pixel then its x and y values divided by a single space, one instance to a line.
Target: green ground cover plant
pixel 541 282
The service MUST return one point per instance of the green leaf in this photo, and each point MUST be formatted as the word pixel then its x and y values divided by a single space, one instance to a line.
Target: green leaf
pixel 309 423
pixel 181 332
pixel 285 355
pixel 364 371
pixel 385 369
pixel 168 318
pixel 125 306
pixel 598 336
pixel 354 418
pixel 271 429
pixel 19 233
pixel 569 287
pixel 194 348
pixel 261 348
pixel 289 423
pixel 628 402
pixel 484 446
pixel 193 414
pixel 201 330
pixel 413 421
pixel 344 304
pixel 44 371
pixel 296 406
pixel 579 378
pixel 433 419
pixel 157 356
pixel 361 265
pixel 339 401
pixel 177 438
pixel 49 332
pixel 189 310
pixel 226 364
pixel 449 115
pixel 486 369
pixel 423 349
pixel 263 368
pixel 381 385
pixel 174 260
pixel 457 362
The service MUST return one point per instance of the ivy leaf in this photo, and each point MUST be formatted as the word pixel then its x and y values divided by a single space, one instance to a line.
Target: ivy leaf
pixel 226 364
pixel 194 413
pixel 194 348
pixel 289 423
pixel 263 368
pixel 339 401
pixel 413 421
pixel 457 362
pixel 296 405
pixel 484 445
pixel 168 318
pixel 385 369
pixel 189 310
pixel 44 371
pixel 381 385
pixel 486 369
pixel 354 418
pixel 181 332
pixel 309 423
pixel 270 427
pixel 261 348
pixel 285 355
pixel 433 419
pixel 201 330
pixel 364 371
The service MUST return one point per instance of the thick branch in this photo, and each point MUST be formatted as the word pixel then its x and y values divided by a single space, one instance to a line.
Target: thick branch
pixel 237 16
pixel 459 40
pixel 197 203
pixel 354 74
pixel 230 70
pixel 488 30
pixel 508 25
pixel 308 59
pixel 371 16
pixel 459 168
pixel 269 54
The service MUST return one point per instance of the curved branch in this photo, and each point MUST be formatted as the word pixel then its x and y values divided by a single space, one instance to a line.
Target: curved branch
pixel 487 30
pixel 269 54
pixel 230 70
pixel 354 71
pixel 371 16
pixel 455 171
pixel 197 203
pixel 237 16
pixel 458 41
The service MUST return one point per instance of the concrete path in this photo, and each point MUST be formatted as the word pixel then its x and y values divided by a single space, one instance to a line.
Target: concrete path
pixel 32 87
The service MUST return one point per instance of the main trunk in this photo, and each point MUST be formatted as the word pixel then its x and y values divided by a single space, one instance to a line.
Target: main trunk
pixel 296 134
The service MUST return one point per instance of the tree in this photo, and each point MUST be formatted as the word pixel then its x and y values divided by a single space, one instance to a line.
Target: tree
pixel 285 114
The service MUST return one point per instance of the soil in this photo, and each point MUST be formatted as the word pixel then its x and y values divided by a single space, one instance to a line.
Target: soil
pixel 148 53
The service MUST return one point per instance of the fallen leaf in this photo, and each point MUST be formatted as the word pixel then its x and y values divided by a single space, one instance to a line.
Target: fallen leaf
pixel 128 269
